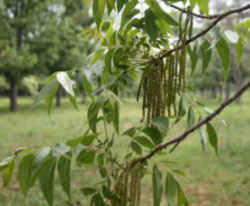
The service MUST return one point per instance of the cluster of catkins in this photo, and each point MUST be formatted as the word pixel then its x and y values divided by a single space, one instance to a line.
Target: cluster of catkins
pixel 165 78
pixel 128 186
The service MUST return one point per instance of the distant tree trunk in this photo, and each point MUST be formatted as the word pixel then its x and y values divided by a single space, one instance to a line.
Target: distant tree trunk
pixel 214 93
pixel 202 91
pixel 220 93
pixel 13 93
pixel 239 82
pixel 13 81
pixel 84 96
pixel 228 90
pixel 58 97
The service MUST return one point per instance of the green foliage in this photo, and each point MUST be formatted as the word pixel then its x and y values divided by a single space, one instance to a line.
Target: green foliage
pixel 98 10
pixel 64 171
pixel 190 117
pixel 157 186
pixel 162 123
pixel 206 54
pixel 174 191
pixel 212 136
pixel 24 173
pixel 144 44
pixel 224 53
pixel 157 10
pixel 46 179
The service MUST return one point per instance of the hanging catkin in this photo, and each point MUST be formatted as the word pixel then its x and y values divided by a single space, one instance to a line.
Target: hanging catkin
pixel 165 78
pixel 128 186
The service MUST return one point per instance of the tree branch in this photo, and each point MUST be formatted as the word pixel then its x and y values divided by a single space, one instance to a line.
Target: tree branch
pixel 212 25
pixel 192 13
pixel 182 137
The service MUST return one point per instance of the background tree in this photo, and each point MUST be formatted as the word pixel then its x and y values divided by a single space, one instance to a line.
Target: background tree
pixel 20 20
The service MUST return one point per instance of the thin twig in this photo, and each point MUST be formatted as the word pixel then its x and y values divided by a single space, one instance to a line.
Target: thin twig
pixel 192 13
pixel 174 147
pixel 182 137
pixel 212 25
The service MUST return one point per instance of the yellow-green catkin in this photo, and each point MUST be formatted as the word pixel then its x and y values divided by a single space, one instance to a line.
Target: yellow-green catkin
pixel 128 186
pixel 165 78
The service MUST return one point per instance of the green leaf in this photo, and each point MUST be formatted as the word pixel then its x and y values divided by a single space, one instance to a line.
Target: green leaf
pixel 39 163
pixel 93 111
pixel 108 59
pixel 150 26
pixel 88 191
pixel 97 200
pixel 157 186
pixel 46 178
pixel 65 81
pixel 64 172
pixel 154 134
pixel 162 123
pixel 60 149
pixel 244 26
pixel 97 55
pixel 224 53
pixel 144 141
pixel 171 189
pixel 193 57
pixel 24 173
pixel 136 148
pixel 20 150
pixel 98 11
pixel 107 193
pixel 110 5
pixel 212 136
pixel 182 199
pixel 163 28
pixel 87 86
pixel 73 101
pixel 120 4
pixel 203 4
pixel 181 107
pixel 190 117
pixel 88 139
pixel 116 116
pixel 206 53
pixel 41 155
pixel 74 142
pixel 135 22
pixel 47 92
pixel 100 159
pixel 239 46
pixel 103 171
pixel 203 138
pixel 130 132
pixel 8 172
pixel 160 13
pixel 86 157
pixel 5 162
pixel 193 3
pixel 129 12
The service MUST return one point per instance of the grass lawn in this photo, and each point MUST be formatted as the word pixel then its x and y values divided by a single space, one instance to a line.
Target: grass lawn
pixel 210 180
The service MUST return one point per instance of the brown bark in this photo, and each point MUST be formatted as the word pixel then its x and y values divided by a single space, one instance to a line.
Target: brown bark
pixel 13 93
